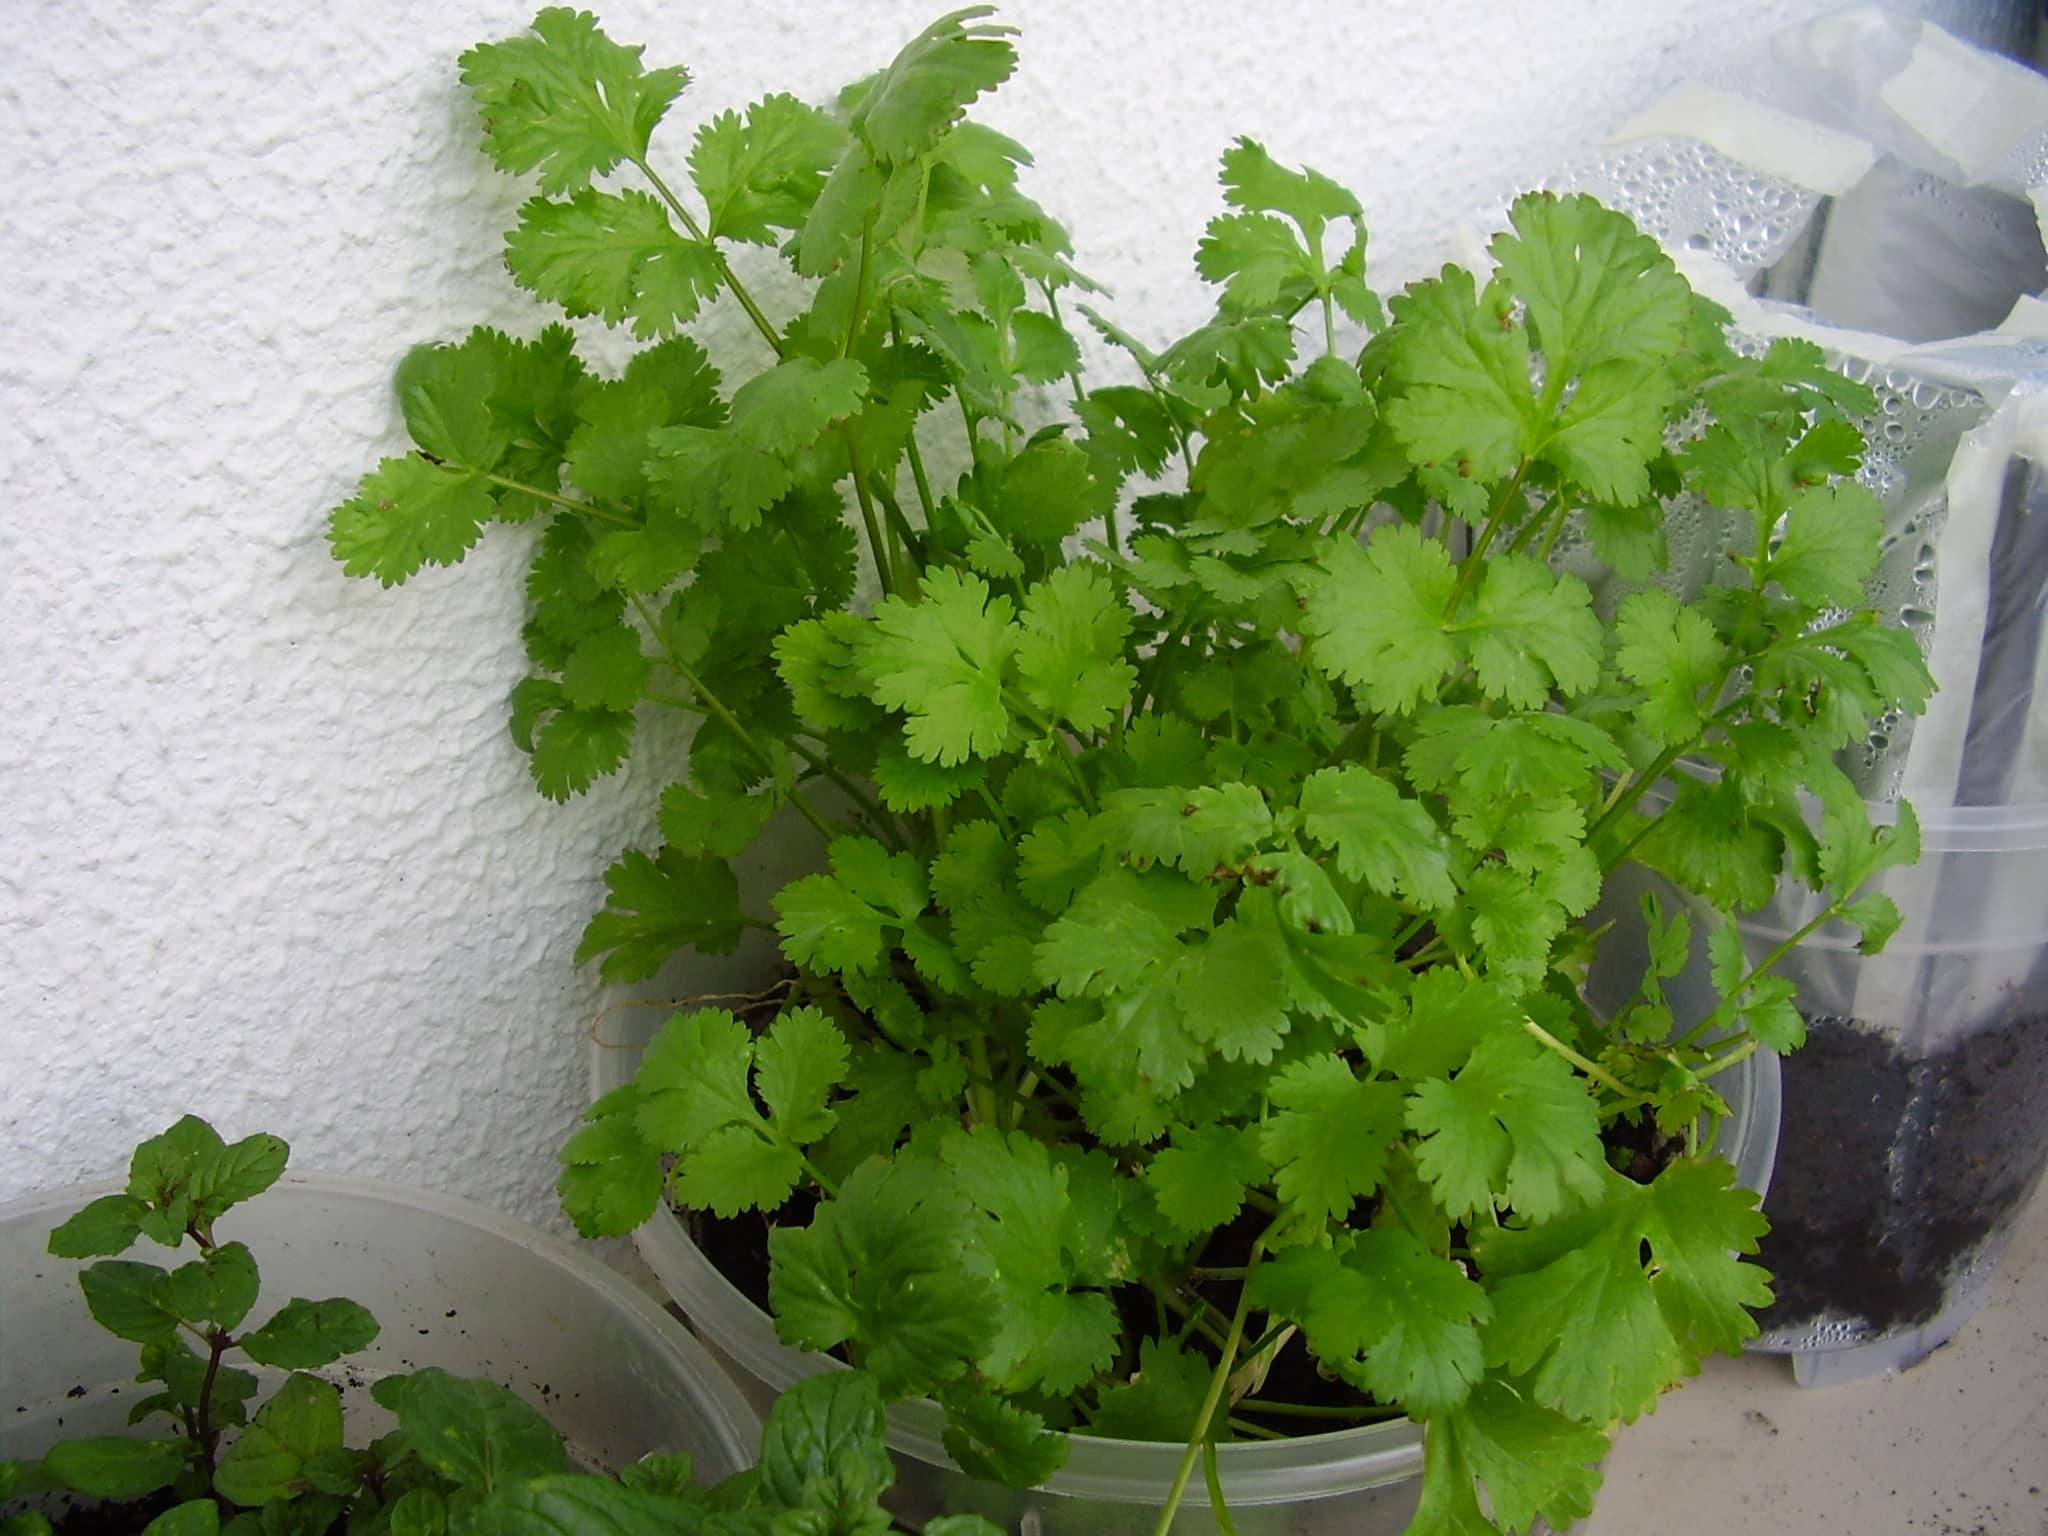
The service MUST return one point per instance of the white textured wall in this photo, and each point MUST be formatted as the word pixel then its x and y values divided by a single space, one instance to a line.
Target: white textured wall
pixel 268 852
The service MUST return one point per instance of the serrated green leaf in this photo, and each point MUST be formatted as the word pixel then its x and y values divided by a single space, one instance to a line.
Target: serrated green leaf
pixel 114 1466
pixel 929 84
pixel 475 1433
pixel 1328 1139
pixel 882 1266
pixel 615 256
pixel 1530 1460
pixel 1070 652
pixel 130 1300
pixel 1199 1181
pixel 611 1178
pixel 409 513
pixel 941 661
pixel 657 906
pixel 1376 613
pixel 566 100
pixel 1379 836
pixel 306 1334
pixel 108 1225
pixel 763 173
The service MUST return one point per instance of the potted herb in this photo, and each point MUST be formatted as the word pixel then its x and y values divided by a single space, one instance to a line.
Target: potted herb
pixel 186 1398
pixel 1210 781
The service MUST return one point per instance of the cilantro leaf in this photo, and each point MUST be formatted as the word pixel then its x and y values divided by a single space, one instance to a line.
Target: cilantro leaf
pixel 656 906
pixel 1199 1181
pixel 611 1177
pixel 1605 1331
pixel 884 1267
pixel 1830 545
pixel 1376 613
pixel 1516 1119
pixel 928 85
pixel 1328 1140
pixel 1379 836
pixel 1053 1335
pixel 762 173
pixel 1531 630
pixel 1384 1313
pixel 409 513
pixel 1675 654
pixel 1070 654
pixel 941 662
pixel 839 922
pixel 1530 1460
pixel 1161 1400
pixel 571 747
pixel 613 255
pixel 566 100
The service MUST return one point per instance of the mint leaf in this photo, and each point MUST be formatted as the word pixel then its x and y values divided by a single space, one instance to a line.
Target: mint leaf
pixel 108 1225
pixel 114 1466
pixel 566 100
pixel 304 1335
pixel 475 1433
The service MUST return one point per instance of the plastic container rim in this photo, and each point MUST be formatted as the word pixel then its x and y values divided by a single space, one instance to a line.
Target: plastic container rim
pixel 653 1328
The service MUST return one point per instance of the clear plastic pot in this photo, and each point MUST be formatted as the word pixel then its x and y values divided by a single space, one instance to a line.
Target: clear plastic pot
pixel 1914 1134
pixel 1359 1482
pixel 451 1283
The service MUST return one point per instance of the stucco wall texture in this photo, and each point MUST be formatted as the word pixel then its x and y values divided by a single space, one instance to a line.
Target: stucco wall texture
pixel 269 854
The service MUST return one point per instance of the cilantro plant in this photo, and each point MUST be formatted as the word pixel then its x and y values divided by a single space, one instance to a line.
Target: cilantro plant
pixel 1214 791
pixel 468 1457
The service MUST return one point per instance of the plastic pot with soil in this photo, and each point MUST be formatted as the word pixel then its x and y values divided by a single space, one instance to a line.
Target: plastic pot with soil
pixel 1914 1135
pixel 452 1284
pixel 1362 1481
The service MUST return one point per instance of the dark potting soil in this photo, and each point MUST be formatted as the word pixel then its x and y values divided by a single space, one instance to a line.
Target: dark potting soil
pixel 1894 1171
pixel 106 1517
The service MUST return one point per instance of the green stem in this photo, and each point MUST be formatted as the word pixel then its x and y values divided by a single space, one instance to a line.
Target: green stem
pixel 1496 518
pixel 714 706
pixel 1716 1065
pixel 725 272
pixel 1218 1510
pixel 1762 968
pixel 867 515
pixel 1219 1380
pixel 588 509
pixel 1598 1074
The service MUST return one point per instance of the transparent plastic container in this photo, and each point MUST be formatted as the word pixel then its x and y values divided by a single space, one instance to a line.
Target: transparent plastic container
pixel 1914 1132
pixel 452 1284
pixel 1358 1482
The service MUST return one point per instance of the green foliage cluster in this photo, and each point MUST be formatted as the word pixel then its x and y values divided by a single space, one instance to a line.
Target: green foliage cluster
pixel 468 1458
pixel 1214 802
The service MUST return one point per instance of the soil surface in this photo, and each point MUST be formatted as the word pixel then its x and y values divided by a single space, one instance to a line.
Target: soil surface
pixel 1895 1174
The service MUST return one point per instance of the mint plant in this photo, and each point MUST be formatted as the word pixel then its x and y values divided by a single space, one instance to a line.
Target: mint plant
pixel 1214 787
pixel 469 1457
pixel 278 1467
